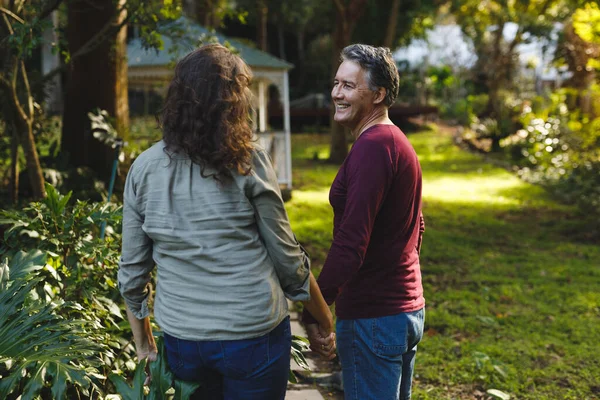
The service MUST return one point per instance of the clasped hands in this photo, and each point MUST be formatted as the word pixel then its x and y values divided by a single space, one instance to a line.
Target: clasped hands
pixel 322 340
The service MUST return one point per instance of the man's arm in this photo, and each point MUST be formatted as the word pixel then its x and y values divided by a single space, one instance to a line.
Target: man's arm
pixel 369 174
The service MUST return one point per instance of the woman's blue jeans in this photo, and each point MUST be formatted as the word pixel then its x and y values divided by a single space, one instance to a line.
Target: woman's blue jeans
pixel 250 369
pixel 378 355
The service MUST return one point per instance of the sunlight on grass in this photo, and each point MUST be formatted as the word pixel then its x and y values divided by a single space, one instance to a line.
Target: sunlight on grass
pixel 484 189
pixel 311 196
pixel 510 275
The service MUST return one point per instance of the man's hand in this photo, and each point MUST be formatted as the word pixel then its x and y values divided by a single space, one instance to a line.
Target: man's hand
pixel 321 340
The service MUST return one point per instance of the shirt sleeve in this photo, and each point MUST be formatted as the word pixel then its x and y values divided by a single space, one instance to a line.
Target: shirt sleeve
pixel 369 172
pixel 136 261
pixel 292 264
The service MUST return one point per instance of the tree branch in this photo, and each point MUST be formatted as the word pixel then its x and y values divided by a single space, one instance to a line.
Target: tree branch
pixel 27 90
pixel 13 93
pixel 4 82
pixel 12 14
pixel 8 25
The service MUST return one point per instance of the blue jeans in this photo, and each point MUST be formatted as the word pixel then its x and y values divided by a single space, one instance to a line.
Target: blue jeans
pixel 378 355
pixel 252 369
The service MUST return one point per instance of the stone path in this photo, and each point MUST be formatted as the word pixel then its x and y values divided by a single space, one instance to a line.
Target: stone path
pixel 304 391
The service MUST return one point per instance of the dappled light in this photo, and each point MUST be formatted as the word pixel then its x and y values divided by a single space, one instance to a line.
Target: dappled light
pixel 500 100
pixel 508 273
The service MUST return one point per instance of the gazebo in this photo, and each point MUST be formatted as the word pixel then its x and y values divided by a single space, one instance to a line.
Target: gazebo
pixel 151 70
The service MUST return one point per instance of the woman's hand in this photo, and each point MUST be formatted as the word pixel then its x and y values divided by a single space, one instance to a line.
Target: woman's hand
pixel 145 346
pixel 322 340
pixel 150 352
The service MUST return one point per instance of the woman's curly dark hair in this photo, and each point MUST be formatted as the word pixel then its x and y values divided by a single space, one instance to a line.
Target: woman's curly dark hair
pixel 206 113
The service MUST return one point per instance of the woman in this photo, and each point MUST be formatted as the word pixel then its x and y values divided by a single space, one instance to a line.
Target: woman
pixel 204 205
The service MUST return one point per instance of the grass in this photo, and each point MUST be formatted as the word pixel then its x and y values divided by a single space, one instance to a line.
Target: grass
pixel 511 277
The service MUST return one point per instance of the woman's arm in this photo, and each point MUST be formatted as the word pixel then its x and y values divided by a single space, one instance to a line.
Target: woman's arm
pixel 318 308
pixel 321 335
pixel 145 345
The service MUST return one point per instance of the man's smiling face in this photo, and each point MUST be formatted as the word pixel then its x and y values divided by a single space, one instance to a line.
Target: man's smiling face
pixel 351 95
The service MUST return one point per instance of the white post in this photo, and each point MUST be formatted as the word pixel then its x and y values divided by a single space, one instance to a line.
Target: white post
pixel 262 107
pixel 287 129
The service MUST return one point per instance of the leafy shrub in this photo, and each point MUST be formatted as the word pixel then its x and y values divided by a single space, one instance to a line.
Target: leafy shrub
pixel 40 350
pixel 561 150
pixel 80 268
pixel 497 127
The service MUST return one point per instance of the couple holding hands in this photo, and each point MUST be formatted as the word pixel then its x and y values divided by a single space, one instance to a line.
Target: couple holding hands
pixel 203 205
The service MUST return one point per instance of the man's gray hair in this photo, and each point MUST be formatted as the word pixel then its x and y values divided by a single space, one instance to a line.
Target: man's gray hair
pixel 380 67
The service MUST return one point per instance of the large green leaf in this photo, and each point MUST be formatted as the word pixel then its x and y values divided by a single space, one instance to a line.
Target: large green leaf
pixel 8 383
pixel 184 389
pixel 22 264
pixel 162 377
pixel 299 345
pixel 135 392
pixel 33 337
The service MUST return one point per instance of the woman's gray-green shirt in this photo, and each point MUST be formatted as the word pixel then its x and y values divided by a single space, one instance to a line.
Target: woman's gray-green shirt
pixel 225 252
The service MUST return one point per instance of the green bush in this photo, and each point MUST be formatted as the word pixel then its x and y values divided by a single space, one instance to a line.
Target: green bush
pixel 41 351
pixel 560 149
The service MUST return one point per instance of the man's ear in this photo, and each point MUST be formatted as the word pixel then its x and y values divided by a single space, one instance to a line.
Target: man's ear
pixel 379 96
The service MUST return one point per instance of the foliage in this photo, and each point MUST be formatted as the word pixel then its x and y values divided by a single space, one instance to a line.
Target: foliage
pixel 415 17
pixel 488 25
pixel 80 268
pixel 504 123
pixel 299 346
pixel 586 22
pixel 40 350
pixel 560 149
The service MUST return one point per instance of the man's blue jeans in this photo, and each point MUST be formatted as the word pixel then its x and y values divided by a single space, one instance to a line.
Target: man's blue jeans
pixel 378 355
pixel 250 369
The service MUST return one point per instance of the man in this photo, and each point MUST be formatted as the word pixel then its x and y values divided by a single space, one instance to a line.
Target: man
pixel 372 271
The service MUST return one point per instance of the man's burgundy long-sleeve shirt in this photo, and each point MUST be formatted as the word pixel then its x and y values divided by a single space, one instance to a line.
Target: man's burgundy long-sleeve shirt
pixel 372 268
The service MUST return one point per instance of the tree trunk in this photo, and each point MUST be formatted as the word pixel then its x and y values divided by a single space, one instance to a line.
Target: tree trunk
pixel 34 169
pixel 390 32
pixel 23 127
pixel 14 166
pixel 301 34
pixel 346 17
pixel 261 26
pixel 97 79
pixel 339 143
pixel 281 37
pixel 577 52
pixel 20 116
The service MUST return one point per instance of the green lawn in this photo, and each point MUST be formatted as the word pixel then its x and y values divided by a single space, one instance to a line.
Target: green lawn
pixel 511 278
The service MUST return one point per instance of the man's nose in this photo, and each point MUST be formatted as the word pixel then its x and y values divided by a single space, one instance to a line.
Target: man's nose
pixel 336 92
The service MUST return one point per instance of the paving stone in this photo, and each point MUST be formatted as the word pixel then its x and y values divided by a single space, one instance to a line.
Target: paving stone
pixel 304 394
pixel 297 329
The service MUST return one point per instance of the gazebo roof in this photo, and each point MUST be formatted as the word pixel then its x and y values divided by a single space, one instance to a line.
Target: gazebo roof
pixel 192 34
